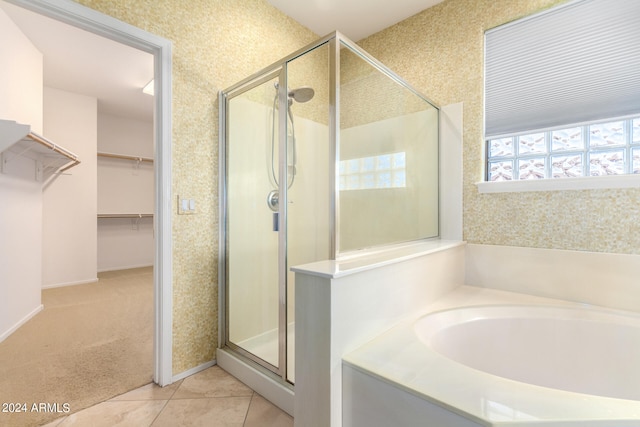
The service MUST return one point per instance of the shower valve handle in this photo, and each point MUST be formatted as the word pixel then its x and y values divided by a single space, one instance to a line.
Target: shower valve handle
pixel 273 200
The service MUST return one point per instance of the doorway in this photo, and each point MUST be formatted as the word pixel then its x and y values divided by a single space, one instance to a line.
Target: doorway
pixel 110 28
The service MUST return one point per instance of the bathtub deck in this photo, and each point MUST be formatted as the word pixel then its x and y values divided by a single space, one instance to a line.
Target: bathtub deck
pixel 459 394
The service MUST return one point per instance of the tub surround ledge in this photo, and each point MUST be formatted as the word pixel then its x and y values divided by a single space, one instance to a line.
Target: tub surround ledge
pixel 358 262
pixel 340 305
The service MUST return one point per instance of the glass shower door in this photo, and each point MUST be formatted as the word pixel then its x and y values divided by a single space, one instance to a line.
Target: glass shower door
pixel 252 238
pixel 276 163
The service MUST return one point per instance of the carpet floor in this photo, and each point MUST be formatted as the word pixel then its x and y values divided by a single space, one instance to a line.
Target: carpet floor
pixel 90 343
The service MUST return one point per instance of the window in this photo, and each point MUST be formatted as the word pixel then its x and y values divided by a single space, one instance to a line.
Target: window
pixel 375 172
pixel 562 93
pixel 599 149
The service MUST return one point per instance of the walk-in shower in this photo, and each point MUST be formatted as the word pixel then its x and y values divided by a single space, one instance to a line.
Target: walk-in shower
pixel 324 154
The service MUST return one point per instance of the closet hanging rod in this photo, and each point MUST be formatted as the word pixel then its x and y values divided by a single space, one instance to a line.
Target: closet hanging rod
pixel 126 157
pixel 125 215
pixel 56 148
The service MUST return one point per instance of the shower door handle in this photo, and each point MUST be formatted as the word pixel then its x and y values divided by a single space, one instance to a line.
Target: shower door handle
pixel 276 221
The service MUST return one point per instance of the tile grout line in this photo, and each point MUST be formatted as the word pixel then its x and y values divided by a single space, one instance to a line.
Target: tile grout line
pixel 166 402
pixel 160 412
pixel 246 415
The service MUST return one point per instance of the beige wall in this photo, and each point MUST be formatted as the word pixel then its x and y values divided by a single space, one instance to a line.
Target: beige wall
pixel 218 42
pixel 440 51
pixel 215 44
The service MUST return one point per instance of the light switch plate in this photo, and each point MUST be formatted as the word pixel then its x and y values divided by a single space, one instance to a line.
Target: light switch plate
pixel 186 206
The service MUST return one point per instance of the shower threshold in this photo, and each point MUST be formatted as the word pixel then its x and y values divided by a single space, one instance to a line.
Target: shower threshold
pixel 266 346
pixel 265 383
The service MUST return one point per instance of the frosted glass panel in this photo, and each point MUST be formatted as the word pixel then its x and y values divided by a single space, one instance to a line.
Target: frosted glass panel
pixel 607 134
pixel 501 171
pixel 566 166
pixel 384 171
pixel 606 163
pixel 531 144
pixel 531 168
pixel 597 149
pixel 567 139
pixel 501 147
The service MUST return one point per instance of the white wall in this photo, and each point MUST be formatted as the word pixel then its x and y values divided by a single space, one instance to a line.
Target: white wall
pixel 20 194
pixel 125 243
pixel 125 135
pixel 20 76
pixel 69 202
pixel 125 186
pixel 20 252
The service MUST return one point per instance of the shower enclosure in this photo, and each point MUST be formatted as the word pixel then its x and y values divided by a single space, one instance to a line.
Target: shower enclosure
pixel 323 155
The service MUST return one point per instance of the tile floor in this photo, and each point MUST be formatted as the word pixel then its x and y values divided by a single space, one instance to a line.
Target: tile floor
pixel 209 398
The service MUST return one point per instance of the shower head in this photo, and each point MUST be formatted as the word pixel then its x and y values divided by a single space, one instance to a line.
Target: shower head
pixel 302 94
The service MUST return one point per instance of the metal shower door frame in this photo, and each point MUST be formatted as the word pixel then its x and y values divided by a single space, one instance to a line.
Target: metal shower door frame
pixel 277 69
pixel 224 98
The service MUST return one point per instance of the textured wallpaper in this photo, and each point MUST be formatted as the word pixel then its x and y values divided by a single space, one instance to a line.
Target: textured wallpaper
pixel 440 52
pixel 215 44
pixel 218 42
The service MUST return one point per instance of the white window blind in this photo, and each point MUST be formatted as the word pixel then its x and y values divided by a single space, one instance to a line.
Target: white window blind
pixel 576 63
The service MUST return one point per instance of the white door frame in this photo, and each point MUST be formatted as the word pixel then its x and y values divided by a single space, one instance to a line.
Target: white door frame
pixel 90 20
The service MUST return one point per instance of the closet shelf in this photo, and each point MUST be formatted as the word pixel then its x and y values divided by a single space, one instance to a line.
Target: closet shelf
pixel 125 157
pixel 50 158
pixel 125 215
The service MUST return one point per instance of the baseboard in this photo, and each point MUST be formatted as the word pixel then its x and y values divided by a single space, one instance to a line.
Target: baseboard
pixel 126 267
pixel 21 322
pixel 61 285
pixel 193 371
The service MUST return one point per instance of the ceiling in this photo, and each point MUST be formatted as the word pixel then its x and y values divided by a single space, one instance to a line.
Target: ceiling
pixel 356 19
pixel 81 62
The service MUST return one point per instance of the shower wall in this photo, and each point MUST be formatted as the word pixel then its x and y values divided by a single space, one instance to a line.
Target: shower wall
pixel 399 214
pixel 308 210
pixel 258 243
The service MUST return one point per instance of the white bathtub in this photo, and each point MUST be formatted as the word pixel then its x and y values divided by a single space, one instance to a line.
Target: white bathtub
pixel 573 349
pixel 499 365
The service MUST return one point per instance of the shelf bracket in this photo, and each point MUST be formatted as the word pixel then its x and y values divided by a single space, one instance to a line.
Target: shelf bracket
pixel 3 162
pixel 39 170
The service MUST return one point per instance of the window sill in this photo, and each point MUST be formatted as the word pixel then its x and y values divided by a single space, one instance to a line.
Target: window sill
pixel 559 184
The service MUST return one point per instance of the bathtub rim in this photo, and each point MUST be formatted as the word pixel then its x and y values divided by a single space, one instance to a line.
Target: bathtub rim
pixel 460 388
